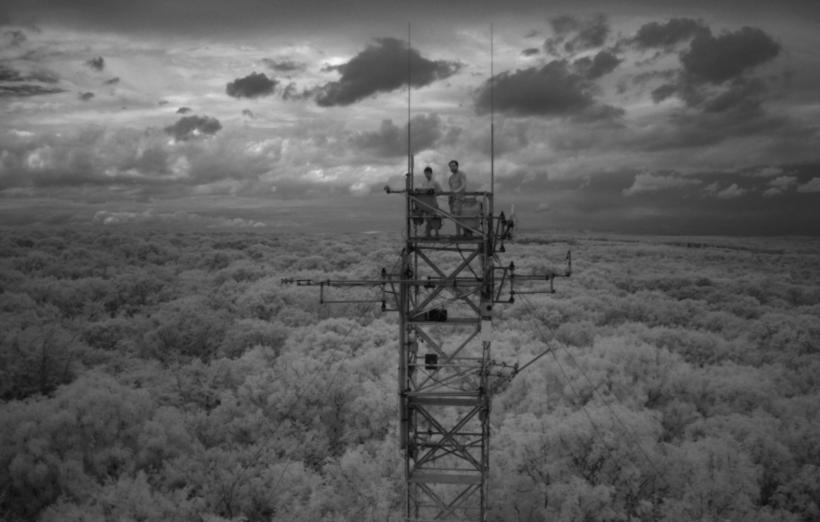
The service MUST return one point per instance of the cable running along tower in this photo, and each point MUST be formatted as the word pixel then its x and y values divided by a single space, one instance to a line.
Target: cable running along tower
pixel 444 289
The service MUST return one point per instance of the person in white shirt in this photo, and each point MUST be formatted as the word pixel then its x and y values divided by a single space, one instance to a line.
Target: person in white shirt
pixel 458 184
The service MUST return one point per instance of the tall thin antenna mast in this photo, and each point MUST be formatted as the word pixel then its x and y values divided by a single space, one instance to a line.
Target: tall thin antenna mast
pixel 409 89
pixel 492 115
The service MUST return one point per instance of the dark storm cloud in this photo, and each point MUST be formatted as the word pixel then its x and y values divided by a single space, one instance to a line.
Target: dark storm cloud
pixel 602 63
pixel 718 59
pixel 183 110
pixel 252 86
pixel 86 96
pixel 98 63
pixel 391 140
pixel 555 89
pixel 532 51
pixel 575 35
pixel 551 89
pixel 112 81
pixel 717 72
pixel 668 34
pixel 25 85
pixel 27 90
pixel 382 67
pixel 284 66
pixel 190 127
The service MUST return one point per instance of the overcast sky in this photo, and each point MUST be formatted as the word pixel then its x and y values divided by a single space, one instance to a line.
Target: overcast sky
pixel 628 116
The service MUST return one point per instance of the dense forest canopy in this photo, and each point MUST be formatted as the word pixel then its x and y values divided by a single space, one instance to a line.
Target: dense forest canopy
pixel 169 375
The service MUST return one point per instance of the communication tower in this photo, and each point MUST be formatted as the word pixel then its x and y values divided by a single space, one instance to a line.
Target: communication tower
pixel 444 288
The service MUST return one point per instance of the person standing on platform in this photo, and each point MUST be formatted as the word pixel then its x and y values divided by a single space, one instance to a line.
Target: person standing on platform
pixel 458 185
pixel 430 187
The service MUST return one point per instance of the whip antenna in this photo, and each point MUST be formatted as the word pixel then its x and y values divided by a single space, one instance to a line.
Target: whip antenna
pixel 409 88
pixel 492 116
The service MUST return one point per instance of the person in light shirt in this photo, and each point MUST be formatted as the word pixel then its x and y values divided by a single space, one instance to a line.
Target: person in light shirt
pixel 458 184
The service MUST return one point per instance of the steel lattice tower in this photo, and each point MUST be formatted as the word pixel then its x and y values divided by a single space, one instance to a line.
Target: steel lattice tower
pixel 444 289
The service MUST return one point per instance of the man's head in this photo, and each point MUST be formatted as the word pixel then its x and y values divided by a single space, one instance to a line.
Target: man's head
pixel 428 172
pixel 453 165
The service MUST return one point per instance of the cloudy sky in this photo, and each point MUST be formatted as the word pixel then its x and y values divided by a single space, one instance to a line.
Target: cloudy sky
pixel 629 116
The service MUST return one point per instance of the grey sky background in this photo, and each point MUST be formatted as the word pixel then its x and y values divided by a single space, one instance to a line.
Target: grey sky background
pixel 659 117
